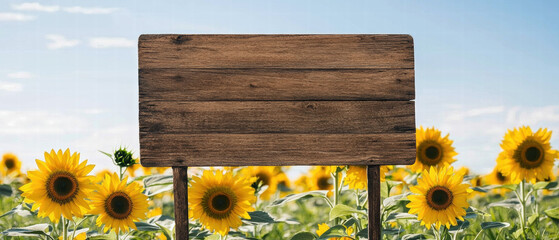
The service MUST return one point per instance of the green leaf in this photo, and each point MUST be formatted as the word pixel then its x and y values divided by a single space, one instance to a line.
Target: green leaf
pixel 552 213
pixel 294 197
pixel 363 233
pixel 6 190
pixel 507 203
pixel 384 190
pixel 459 226
pixel 36 230
pixel 545 185
pixel 386 231
pixel 489 225
pixel 100 237
pixel 341 210
pixel 393 200
pixel 400 215
pixel 259 217
pixel 303 236
pixel 157 189
pixel 414 236
pixel 479 189
pixel 167 232
pixel 19 210
pixel 158 180
pixel 156 184
pixel 142 226
pixel 336 231
pixel 110 155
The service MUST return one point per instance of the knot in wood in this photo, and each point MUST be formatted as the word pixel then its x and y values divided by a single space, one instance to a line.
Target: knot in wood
pixel 311 106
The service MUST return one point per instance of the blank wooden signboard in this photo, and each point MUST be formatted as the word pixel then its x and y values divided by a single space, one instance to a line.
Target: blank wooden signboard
pixel 244 100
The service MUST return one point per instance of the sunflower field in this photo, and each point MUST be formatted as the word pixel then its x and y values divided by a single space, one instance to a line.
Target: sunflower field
pixel 64 197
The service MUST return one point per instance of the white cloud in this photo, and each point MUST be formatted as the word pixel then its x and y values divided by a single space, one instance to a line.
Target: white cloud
pixel 533 116
pixel 40 122
pixel 59 41
pixel 92 10
pixel 11 87
pixel 104 42
pixel 35 6
pixel 7 16
pixel 475 112
pixel 20 75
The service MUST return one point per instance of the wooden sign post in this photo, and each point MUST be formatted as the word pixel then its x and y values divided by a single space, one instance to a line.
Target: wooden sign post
pixel 274 100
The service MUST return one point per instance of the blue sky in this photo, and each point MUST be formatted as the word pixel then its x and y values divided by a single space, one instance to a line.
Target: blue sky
pixel 68 69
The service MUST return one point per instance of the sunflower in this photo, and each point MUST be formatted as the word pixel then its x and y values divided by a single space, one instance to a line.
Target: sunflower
pixel 131 170
pixel 10 163
pixel 219 200
pixel 497 178
pixel 398 174
pixel 266 176
pixel 526 154
pixel 432 150
pixel 322 228
pixel 356 176
pixel 100 175
pixel 320 179
pixel 60 186
pixel 440 197
pixel 301 184
pixel 284 184
pixel 118 204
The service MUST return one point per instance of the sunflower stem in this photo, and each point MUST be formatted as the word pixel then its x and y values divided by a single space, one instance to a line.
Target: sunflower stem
pixel 522 209
pixel 336 191
pixel 64 229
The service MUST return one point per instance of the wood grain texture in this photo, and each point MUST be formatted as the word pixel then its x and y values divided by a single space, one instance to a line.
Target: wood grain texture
pixel 310 117
pixel 276 84
pixel 276 51
pixel 276 149
pixel 373 182
pixel 180 186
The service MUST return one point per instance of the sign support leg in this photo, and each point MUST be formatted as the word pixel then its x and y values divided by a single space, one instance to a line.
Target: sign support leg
pixel 373 181
pixel 180 185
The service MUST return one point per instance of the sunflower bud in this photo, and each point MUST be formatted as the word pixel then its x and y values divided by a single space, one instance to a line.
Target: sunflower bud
pixel 123 158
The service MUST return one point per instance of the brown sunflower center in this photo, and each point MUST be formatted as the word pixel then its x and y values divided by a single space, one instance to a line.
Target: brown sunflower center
pixel 119 205
pixel 430 153
pixel 439 197
pixel 219 202
pixel 501 177
pixel 10 163
pixel 324 183
pixel 62 187
pixel 529 154
pixel 264 178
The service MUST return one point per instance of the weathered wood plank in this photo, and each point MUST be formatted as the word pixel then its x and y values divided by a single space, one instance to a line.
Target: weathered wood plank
pixel 244 117
pixel 276 84
pixel 180 187
pixel 276 149
pixel 373 190
pixel 275 51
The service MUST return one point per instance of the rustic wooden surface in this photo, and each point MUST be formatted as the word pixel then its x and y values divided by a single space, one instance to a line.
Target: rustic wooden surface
pixel 180 84
pixel 180 186
pixel 234 100
pixel 230 100
pixel 276 51
pixel 373 180
pixel 259 149
pixel 312 117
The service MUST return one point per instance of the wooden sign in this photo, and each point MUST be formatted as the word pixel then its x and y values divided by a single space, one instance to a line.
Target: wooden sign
pixel 244 100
